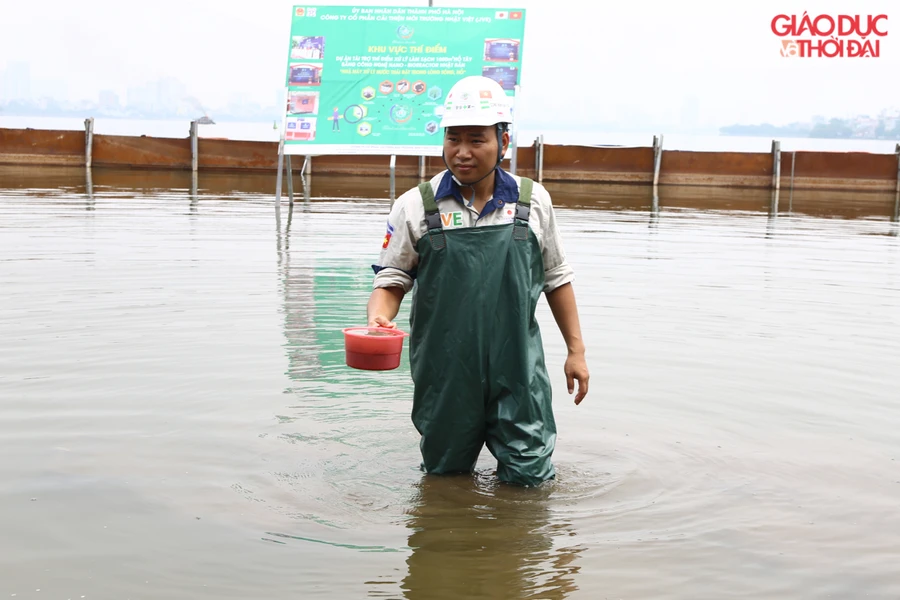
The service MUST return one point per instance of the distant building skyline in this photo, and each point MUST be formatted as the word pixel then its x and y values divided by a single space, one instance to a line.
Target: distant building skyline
pixel 168 97
pixel 164 97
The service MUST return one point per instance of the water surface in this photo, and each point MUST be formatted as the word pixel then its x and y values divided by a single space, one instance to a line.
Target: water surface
pixel 176 420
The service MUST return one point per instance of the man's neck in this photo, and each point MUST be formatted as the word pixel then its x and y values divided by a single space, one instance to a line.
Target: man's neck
pixel 484 189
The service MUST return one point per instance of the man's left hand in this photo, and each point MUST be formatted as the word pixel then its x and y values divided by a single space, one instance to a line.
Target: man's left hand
pixel 576 370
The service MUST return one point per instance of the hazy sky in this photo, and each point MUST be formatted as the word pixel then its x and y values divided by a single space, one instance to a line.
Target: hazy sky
pixel 584 61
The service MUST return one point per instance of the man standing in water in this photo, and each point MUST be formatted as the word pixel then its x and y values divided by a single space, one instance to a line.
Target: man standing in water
pixel 477 246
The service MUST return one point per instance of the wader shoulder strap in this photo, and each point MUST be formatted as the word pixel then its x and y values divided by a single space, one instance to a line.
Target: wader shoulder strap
pixel 523 208
pixel 432 216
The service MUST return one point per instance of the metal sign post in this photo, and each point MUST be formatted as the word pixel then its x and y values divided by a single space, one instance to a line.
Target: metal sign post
pixel 280 174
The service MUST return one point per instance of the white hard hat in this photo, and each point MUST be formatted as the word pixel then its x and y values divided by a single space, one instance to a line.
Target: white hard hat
pixel 478 101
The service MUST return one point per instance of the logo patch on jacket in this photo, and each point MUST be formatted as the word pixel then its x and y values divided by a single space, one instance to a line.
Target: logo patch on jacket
pixel 451 220
pixel 387 235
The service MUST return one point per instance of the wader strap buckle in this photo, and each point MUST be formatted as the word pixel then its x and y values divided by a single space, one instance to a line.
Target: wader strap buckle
pixel 432 217
pixel 523 209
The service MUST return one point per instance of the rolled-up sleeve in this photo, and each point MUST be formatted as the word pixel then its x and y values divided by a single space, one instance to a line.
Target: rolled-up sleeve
pixel 557 271
pixel 399 259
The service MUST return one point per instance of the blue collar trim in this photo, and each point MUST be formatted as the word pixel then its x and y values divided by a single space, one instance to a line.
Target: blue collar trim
pixel 506 190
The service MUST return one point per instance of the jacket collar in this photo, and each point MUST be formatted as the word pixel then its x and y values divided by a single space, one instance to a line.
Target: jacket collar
pixel 506 190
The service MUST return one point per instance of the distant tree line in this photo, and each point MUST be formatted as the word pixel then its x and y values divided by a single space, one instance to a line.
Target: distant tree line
pixel 885 129
pixel 52 108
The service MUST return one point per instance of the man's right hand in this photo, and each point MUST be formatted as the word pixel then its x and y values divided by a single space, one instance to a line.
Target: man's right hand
pixel 379 321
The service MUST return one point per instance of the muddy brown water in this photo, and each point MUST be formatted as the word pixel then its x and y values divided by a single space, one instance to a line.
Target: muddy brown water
pixel 176 420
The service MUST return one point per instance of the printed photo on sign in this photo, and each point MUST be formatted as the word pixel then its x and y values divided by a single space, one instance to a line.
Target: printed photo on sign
pixel 305 74
pixel 501 50
pixel 507 77
pixel 310 48
pixel 303 103
pixel 300 129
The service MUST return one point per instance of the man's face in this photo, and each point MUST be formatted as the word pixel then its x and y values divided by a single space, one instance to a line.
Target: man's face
pixel 471 151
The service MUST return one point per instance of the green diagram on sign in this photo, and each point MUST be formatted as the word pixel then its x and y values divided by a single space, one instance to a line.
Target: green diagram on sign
pixel 372 80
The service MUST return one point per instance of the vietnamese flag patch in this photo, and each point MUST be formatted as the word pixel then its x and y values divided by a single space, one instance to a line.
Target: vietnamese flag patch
pixel 387 236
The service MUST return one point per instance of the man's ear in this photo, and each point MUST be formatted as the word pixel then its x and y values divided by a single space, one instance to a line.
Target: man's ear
pixel 505 139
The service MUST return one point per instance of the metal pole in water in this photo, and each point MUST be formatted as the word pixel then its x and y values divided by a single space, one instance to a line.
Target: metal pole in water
pixel 290 178
pixel 897 150
pixel 791 198
pixel 896 218
pixel 776 178
pixel 194 146
pixel 89 188
pixel 897 199
pixel 280 174
pixel 307 160
pixel 194 191
pixel 88 141
pixel 657 158
pixel 393 173
pixel 776 164
pixel 306 189
pixel 540 154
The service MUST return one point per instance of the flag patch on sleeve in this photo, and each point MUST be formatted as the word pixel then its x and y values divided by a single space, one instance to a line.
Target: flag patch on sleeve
pixel 387 235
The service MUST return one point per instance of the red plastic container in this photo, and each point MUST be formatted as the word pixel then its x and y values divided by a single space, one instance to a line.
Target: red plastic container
pixel 373 348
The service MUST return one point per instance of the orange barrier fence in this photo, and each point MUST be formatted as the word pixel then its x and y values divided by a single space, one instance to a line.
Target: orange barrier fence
pixel 851 171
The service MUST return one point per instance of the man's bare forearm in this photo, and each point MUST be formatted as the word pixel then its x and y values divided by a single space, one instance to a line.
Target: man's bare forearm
pixel 384 303
pixel 565 311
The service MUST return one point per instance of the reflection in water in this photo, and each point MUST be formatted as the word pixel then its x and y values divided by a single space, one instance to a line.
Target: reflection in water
pixel 472 539
pixel 772 221
pixel 298 286
pixel 654 210
pixel 318 287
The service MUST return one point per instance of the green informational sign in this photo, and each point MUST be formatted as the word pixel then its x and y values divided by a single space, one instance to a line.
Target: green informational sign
pixel 372 80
